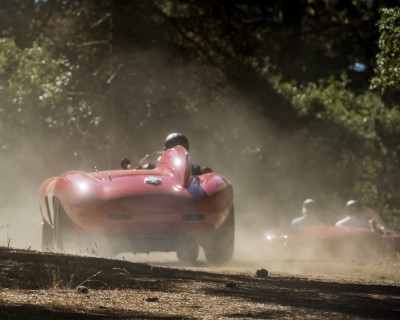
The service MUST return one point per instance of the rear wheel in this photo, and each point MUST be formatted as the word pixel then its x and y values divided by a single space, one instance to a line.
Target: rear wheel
pixel 188 252
pixel 69 239
pixel 64 232
pixel 219 248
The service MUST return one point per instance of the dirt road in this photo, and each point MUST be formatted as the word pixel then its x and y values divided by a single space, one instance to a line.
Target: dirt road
pixel 35 285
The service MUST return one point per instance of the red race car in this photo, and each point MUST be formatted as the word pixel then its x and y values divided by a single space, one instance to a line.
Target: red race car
pixel 316 242
pixel 165 208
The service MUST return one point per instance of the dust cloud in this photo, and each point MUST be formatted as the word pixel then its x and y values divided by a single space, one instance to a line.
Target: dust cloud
pixel 22 168
pixel 234 141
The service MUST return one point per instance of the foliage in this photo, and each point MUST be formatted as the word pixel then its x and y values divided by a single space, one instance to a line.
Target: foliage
pixel 388 62
pixel 33 82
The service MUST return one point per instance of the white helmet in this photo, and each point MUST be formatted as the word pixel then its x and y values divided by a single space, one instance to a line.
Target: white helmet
pixel 309 205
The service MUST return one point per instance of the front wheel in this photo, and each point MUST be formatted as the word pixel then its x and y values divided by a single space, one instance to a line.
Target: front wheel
pixel 219 248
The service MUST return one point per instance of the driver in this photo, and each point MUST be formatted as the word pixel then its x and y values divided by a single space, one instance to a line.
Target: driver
pixel 173 140
pixel 310 215
pixel 359 215
pixel 179 139
pixel 176 139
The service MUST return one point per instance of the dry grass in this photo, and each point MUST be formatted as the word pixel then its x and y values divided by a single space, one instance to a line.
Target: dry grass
pixel 43 286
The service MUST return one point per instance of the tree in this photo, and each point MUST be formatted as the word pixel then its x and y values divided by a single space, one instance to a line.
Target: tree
pixel 388 62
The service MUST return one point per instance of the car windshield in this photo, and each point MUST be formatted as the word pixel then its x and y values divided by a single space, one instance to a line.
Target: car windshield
pixel 149 159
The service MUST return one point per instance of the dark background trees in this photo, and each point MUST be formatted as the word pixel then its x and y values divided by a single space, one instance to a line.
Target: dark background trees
pixel 274 94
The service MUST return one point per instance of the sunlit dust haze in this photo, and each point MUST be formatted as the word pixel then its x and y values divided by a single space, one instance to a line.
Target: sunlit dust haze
pixel 262 161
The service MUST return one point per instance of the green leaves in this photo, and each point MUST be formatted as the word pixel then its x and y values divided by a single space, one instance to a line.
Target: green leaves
pixel 32 77
pixel 388 59
pixel 332 100
pixel 39 77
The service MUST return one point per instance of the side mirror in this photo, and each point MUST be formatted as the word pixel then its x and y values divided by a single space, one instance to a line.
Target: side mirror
pixel 126 164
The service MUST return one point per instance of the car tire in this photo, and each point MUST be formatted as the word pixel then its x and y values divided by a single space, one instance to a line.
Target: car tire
pixel 47 237
pixel 188 252
pixel 63 231
pixel 219 248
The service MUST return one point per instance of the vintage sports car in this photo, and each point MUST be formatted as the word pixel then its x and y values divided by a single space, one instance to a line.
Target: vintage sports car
pixel 164 208
pixel 317 242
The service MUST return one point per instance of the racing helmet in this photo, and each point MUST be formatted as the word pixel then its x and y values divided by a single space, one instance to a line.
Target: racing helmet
pixel 309 205
pixel 353 207
pixel 175 139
